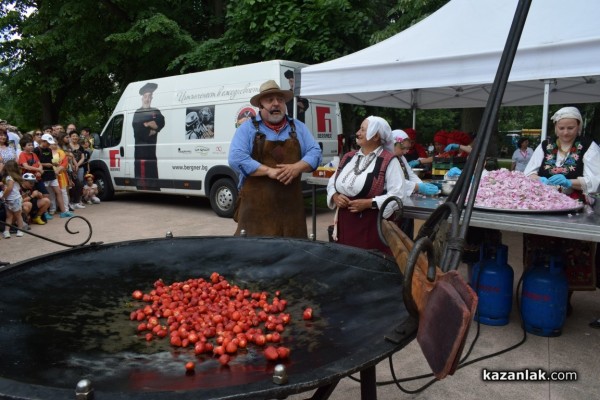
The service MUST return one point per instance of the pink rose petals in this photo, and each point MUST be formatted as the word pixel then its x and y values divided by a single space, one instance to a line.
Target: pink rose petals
pixel 512 190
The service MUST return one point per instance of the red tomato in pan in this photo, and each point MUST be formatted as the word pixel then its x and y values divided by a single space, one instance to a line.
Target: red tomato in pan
pixel 224 359
pixel 190 366
pixel 214 316
pixel 137 294
pixel 283 352
pixel 271 353
pixel 307 314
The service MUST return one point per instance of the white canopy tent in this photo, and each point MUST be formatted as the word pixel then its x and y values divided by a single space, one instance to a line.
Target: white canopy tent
pixel 449 60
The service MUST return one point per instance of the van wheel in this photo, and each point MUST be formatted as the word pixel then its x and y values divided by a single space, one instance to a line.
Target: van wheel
pixel 223 195
pixel 105 189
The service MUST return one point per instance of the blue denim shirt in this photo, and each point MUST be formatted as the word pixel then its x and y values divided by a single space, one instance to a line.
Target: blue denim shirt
pixel 240 151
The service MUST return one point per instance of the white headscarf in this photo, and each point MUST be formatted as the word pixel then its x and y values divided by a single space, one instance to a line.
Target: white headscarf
pixel 399 136
pixel 380 125
pixel 567 112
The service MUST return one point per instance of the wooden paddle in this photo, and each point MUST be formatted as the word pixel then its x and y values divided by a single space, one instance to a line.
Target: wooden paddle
pixel 443 303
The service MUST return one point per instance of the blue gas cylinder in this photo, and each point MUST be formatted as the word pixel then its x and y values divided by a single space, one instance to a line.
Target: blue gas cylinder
pixel 544 298
pixel 492 280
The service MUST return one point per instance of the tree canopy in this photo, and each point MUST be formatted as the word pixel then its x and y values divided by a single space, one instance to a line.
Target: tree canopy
pixel 70 60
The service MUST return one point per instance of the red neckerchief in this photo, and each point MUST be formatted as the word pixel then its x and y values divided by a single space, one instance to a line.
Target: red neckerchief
pixel 276 127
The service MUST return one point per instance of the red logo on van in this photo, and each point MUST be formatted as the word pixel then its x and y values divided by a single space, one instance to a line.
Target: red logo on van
pixel 115 161
pixel 324 122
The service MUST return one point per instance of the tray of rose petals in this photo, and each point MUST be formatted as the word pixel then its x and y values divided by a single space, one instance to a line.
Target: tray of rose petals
pixel 511 191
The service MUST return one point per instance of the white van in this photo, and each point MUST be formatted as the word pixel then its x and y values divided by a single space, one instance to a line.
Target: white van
pixel 184 151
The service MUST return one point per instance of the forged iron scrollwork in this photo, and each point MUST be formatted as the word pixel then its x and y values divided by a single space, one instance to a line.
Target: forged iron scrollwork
pixel 398 214
pixel 68 229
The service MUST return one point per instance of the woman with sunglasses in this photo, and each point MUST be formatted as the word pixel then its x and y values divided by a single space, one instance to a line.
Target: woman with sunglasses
pixel 37 137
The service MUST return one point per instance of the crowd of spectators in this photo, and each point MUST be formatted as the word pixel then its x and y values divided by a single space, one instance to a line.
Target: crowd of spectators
pixel 44 174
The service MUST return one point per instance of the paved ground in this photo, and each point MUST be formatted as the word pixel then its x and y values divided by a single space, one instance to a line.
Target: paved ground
pixel 136 216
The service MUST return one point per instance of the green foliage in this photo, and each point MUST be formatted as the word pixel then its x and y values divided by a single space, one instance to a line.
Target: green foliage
pixel 306 31
pixel 406 13
pixel 517 118
pixel 69 60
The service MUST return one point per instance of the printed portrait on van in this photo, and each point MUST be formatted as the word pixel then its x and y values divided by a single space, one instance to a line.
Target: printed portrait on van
pixel 200 122
pixel 301 103
pixel 147 122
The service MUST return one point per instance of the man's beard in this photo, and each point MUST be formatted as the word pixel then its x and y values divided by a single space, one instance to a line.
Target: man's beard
pixel 273 118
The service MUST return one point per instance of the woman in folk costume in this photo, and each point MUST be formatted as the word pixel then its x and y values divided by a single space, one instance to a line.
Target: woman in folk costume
pixel 413 184
pixel 569 161
pixel 364 180
pixel 572 164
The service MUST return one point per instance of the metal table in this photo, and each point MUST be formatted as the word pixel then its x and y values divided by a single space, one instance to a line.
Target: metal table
pixel 580 226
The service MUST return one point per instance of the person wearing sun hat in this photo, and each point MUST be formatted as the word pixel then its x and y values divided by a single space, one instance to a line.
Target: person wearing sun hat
pixel 269 153
pixel 45 155
pixel 90 190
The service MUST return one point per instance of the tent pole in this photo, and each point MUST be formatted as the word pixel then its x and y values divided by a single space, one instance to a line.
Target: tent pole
pixel 545 110
pixel 413 106
pixel 476 160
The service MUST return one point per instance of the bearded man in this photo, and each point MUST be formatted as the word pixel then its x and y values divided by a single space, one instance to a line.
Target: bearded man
pixel 270 152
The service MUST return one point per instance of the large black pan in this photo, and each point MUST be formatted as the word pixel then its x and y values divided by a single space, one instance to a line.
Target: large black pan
pixel 64 317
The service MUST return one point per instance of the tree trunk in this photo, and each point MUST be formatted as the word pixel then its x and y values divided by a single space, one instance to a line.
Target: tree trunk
pixel 350 125
pixel 470 121
pixel 218 10
pixel 593 124
pixel 49 112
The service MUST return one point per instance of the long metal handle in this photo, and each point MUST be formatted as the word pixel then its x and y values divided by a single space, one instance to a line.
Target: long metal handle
pixel 476 161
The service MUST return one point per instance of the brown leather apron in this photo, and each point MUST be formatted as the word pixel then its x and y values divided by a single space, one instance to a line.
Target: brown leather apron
pixel 267 207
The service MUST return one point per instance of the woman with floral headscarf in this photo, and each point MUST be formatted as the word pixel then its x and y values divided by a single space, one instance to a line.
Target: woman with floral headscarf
pixel 364 179
pixel 572 163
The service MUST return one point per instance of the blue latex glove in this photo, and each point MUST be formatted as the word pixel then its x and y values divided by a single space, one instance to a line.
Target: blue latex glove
pixel 544 180
pixel 452 146
pixel 414 163
pixel 560 180
pixel 454 171
pixel 428 188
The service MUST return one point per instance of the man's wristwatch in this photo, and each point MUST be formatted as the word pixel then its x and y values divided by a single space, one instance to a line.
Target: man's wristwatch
pixel 374 205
